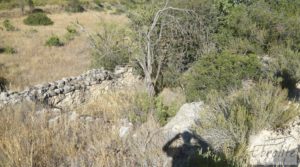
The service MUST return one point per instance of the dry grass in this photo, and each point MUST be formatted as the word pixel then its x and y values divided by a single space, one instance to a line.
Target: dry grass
pixel 26 139
pixel 35 63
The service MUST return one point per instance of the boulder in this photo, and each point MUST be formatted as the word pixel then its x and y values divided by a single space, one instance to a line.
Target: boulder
pixel 184 121
pixel 178 137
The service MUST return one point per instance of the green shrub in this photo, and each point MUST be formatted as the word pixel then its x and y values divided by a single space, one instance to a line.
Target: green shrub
pixel 71 33
pixel 163 112
pixel 8 26
pixel 71 30
pixel 3 80
pixel 8 50
pixel 54 41
pixel 36 19
pixel 112 47
pixel 286 66
pixel 208 159
pixel 219 72
pixel 3 84
pixel 142 107
pixel 74 6
pixel 229 122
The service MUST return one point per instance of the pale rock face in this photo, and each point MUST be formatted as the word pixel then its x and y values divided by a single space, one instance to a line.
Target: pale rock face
pixel 276 147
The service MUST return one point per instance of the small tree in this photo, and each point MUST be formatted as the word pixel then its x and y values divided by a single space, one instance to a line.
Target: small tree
pixel 31 5
pixel 173 39
pixel 28 2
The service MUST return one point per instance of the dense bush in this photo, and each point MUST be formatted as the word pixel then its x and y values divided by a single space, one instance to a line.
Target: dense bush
pixel 176 38
pixel 3 84
pixel 260 27
pixel 286 64
pixel 8 26
pixel 36 19
pixel 3 80
pixel 163 112
pixel 219 72
pixel 229 122
pixel 54 41
pixel 7 50
pixel 71 33
pixel 112 48
pixel 143 105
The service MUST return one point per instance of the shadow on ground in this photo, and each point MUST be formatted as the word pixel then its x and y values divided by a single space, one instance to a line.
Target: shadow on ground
pixel 191 152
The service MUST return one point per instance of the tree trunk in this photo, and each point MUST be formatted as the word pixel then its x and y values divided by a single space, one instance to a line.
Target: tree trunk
pixel 22 6
pixel 31 5
pixel 149 85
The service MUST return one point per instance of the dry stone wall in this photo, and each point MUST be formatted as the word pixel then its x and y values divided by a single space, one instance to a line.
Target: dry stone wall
pixel 55 92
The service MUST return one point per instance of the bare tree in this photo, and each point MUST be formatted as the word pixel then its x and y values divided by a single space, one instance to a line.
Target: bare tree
pixel 157 42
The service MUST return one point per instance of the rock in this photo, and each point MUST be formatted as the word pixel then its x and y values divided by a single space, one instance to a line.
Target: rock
pixel 120 70
pixel 178 140
pixel 58 91
pixel 52 93
pixel 123 131
pixel 125 127
pixel 87 83
pixel 276 147
pixel 67 89
pixel 3 96
pixel 185 119
pixel 72 116
pixel 60 84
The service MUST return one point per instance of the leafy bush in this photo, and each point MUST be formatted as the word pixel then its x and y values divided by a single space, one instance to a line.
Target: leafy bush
pixel 36 19
pixel 112 47
pixel 54 41
pixel 3 80
pixel 3 84
pixel 209 159
pixel 74 6
pixel 219 72
pixel 7 50
pixel 8 26
pixel 286 66
pixel 142 107
pixel 71 33
pixel 229 122
pixel 164 112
